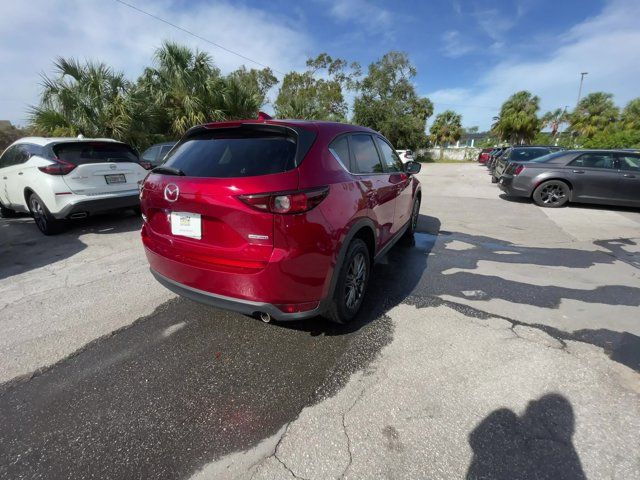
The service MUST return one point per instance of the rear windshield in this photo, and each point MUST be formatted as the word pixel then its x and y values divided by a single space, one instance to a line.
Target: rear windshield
pixel 79 153
pixel 227 155
pixel 550 156
pixel 527 154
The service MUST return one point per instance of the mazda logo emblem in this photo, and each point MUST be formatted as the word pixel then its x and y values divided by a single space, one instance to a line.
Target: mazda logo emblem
pixel 171 192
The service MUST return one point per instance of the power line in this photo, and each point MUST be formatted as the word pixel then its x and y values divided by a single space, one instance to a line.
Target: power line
pixel 196 35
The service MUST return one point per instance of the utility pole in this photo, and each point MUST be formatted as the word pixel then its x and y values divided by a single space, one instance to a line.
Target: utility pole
pixel 582 74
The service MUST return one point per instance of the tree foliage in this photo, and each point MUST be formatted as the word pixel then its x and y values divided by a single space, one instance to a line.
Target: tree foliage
pixel 317 93
pixel 388 102
pixel 594 113
pixel 518 121
pixel 446 128
pixel 554 120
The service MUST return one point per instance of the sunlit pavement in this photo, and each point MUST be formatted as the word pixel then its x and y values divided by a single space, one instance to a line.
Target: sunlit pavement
pixel 503 343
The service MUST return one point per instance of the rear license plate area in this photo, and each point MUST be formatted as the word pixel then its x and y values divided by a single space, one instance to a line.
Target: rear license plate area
pixel 186 224
pixel 117 178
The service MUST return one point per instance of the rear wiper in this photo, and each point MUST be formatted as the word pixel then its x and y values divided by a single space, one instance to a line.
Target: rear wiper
pixel 168 171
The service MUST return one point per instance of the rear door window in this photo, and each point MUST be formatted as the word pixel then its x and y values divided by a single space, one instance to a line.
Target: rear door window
pixel 365 154
pixel 229 155
pixel 392 162
pixel 8 156
pixel 81 153
pixel 630 162
pixel 594 160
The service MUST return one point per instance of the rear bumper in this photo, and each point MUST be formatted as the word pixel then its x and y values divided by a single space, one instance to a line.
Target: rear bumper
pixel 239 305
pixel 98 205
pixel 511 187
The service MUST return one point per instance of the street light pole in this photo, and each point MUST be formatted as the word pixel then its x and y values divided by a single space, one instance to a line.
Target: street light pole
pixel 582 74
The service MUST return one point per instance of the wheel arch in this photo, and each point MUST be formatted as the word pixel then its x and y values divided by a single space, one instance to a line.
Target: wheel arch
pixel 28 191
pixel 556 178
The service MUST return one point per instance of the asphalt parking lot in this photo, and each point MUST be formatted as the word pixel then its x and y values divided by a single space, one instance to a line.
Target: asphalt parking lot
pixel 505 338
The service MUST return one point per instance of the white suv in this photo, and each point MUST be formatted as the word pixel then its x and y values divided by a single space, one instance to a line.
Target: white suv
pixel 64 178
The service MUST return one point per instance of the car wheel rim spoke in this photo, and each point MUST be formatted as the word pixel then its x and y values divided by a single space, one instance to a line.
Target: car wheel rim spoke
pixel 355 281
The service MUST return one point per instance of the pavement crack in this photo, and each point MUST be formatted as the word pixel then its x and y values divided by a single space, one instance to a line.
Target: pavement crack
pixel 275 455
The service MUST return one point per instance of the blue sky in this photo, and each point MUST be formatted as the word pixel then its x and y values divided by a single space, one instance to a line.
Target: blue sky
pixel 470 55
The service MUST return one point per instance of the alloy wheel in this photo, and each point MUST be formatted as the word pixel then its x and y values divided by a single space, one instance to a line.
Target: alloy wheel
pixel 355 281
pixel 553 194
pixel 38 213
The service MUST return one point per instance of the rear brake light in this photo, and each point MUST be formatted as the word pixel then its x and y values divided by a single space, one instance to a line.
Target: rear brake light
pixel 518 170
pixel 58 168
pixel 286 202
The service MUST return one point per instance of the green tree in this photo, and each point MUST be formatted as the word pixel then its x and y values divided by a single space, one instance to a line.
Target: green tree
pixel 317 93
pixel 554 120
pixel 446 128
pixel 388 102
pixel 90 99
pixel 594 113
pixel 630 117
pixel 518 120
pixel 257 81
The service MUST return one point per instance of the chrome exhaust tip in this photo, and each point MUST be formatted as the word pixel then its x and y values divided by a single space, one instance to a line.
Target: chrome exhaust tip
pixel 265 317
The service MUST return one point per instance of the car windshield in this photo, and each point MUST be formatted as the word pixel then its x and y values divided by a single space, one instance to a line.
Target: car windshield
pixel 549 156
pixel 80 153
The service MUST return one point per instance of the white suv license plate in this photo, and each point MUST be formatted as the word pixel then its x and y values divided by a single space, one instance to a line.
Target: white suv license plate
pixel 118 178
pixel 186 224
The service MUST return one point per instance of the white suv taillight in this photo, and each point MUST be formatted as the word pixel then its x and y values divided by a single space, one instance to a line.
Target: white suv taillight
pixel 58 168
pixel 286 202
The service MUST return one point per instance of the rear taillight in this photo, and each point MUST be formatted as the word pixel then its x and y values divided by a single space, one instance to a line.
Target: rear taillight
pixel 286 202
pixel 518 169
pixel 58 168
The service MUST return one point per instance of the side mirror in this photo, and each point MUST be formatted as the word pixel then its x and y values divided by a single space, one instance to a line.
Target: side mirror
pixel 412 167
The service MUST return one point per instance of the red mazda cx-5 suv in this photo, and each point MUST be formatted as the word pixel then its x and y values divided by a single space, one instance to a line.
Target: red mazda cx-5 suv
pixel 280 219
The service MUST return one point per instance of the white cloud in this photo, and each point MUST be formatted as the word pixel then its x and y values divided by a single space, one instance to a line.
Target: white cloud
pixel 362 12
pixel 33 33
pixel 454 45
pixel 607 46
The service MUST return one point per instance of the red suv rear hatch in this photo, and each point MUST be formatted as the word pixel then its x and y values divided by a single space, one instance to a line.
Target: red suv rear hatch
pixel 192 205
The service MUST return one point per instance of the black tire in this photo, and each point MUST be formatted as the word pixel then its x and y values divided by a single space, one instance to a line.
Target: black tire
pixel 413 221
pixel 45 222
pixel 494 179
pixel 552 194
pixel 351 287
pixel 6 212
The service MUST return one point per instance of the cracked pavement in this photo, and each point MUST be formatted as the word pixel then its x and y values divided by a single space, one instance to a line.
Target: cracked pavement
pixel 503 343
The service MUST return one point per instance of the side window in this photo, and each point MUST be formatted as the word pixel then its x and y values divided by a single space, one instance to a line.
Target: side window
pixel 392 162
pixel 365 154
pixel 163 151
pixel 630 162
pixel 594 160
pixel 22 154
pixel 7 157
pixel 340 149
pixel 150 154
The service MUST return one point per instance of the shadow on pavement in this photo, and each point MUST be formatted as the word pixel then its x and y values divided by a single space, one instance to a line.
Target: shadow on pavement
pixel 23 247
pixel 537 445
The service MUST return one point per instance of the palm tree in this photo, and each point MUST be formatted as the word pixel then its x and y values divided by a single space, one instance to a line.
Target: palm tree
pixel 446 128
pixel 631 115
pixel 554 119
pixel 90 99
pixel 518 120
pixel 594 113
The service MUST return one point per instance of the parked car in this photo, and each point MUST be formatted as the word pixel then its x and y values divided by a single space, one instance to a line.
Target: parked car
pixel 406 155
pixel 523 153
pixel 156 153
pixel 609 177
pixel 278 219
pixel 493 155
pixel 55 179
pixel 483 156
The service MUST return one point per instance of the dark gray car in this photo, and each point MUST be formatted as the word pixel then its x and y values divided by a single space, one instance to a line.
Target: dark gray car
pixel 524 153
pixel 609 177
pixel 156 153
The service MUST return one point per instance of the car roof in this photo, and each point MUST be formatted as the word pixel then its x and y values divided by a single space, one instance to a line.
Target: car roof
pixel 335 127
pixel 44 141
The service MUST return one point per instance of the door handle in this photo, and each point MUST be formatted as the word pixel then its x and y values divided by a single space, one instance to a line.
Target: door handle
pixel 578 171
pixel 629 175
pixel 19 173
pixel 4 178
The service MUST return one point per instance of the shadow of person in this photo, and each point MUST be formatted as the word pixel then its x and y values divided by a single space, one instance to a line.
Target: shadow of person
pixel 536 445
